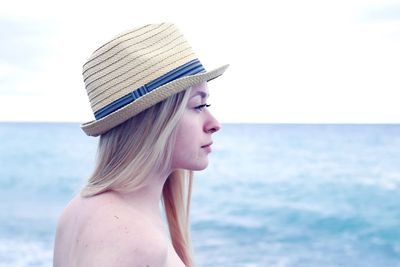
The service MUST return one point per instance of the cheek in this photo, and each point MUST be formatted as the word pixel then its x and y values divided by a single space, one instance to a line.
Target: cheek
pixel 185 136
pixel 186 127
pixel 187 149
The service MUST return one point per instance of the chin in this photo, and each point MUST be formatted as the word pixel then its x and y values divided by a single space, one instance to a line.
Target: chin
pixel 198 166
pixel 191 164
pixel 201 168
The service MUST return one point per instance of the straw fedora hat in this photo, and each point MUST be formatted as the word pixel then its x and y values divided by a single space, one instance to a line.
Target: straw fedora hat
pixel 136 70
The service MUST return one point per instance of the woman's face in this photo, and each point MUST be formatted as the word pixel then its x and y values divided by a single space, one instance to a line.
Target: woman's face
pixel 194 130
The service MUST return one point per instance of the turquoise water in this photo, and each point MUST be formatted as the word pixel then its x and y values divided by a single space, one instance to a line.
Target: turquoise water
pixel 273 195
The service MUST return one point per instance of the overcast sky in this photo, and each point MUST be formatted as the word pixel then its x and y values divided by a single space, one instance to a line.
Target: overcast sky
pixel 291 61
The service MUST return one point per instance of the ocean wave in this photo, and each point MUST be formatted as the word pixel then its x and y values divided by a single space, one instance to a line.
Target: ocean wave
pixel 23 253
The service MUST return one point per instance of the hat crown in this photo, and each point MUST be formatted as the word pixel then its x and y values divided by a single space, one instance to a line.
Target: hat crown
pixel 133 59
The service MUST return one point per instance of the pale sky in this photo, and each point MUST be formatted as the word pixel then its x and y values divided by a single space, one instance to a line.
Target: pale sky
pixel 291 61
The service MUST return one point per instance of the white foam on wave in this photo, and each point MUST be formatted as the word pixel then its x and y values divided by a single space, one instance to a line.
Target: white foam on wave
pixel 387 181
pixel 22 253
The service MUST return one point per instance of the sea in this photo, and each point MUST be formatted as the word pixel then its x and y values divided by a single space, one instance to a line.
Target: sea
pixel 274 195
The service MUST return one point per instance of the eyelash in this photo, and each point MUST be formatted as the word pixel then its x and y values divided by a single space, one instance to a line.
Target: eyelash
pixel 201 107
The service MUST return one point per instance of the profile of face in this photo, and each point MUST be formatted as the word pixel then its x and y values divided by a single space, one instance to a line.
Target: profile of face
pixel 194 132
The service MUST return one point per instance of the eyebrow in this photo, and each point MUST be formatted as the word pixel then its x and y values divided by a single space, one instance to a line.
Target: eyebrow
pixel 202 94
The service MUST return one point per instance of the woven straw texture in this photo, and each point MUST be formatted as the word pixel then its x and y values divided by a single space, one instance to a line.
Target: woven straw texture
pixel 131 60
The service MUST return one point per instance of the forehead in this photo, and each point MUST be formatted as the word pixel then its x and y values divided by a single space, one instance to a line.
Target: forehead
pixel 200 89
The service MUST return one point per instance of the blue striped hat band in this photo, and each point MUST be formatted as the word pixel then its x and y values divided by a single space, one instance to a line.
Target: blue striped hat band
pixel 190 68
pixel 137 69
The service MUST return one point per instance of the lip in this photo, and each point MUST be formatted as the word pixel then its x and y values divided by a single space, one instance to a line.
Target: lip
pixel 209 144
pixel 207 147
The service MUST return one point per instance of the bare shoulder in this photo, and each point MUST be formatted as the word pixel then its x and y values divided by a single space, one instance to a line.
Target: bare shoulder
pixel 110 234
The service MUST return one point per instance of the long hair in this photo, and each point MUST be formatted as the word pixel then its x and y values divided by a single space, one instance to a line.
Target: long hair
pixel 130 152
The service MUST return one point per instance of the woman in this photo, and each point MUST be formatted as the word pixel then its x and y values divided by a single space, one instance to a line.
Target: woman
pixel 148 93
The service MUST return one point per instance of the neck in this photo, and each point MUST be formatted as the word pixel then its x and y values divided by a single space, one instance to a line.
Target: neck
pixel 147 198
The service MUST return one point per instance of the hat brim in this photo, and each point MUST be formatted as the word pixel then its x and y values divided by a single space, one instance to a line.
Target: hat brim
pixel 98 127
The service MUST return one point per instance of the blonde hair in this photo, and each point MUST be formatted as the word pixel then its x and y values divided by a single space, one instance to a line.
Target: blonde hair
pixel 130 152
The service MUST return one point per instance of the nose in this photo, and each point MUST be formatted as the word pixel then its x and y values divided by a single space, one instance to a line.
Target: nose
pixel 211 125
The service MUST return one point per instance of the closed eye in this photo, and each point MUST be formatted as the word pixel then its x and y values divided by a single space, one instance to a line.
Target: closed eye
pixel 201 107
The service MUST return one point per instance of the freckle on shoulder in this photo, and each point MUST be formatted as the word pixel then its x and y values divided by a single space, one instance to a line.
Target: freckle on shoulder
pixel 133 246
pixel 116 232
